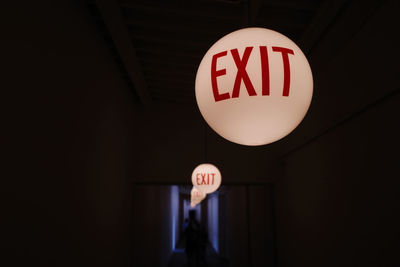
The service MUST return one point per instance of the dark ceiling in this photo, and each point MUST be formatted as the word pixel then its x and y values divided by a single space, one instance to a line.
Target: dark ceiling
pixel 159 44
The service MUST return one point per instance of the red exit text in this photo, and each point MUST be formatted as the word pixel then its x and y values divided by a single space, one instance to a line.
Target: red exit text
pixel 242 74
pixel 205 178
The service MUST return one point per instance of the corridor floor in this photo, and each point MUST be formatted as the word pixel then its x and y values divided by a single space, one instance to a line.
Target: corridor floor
pixel 179 259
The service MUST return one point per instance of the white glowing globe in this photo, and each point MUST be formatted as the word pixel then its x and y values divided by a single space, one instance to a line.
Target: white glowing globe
pixel 254 86
pixel 206 178
pixel 196 196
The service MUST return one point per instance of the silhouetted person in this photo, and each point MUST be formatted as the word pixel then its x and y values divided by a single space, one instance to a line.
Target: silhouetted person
pixel 193 239
pixel 203 244
pixel 185 225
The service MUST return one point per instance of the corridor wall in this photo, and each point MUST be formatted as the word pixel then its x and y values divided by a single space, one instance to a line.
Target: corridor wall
pixel 337 202
pixel 68 127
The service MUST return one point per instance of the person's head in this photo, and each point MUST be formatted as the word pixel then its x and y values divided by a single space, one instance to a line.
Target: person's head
pixel 192 215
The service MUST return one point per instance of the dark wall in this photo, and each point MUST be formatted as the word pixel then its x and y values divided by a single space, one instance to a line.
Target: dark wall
pixel 67 126
pixel 246 216
pixel 152 225
pixel 338 201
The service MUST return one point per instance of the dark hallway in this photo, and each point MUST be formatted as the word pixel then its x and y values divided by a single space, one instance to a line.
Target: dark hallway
pixel 101 133
pixel 238 219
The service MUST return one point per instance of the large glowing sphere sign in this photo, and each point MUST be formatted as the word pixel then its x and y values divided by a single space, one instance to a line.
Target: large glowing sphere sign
pixel 206 178
pixel 254 86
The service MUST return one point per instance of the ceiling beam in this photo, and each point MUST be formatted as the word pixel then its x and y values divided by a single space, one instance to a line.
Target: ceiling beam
pixel 250 12
pixel 325 16
pixel 193 10
pixel 148 38
pixel 176 25
pixel 112 17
